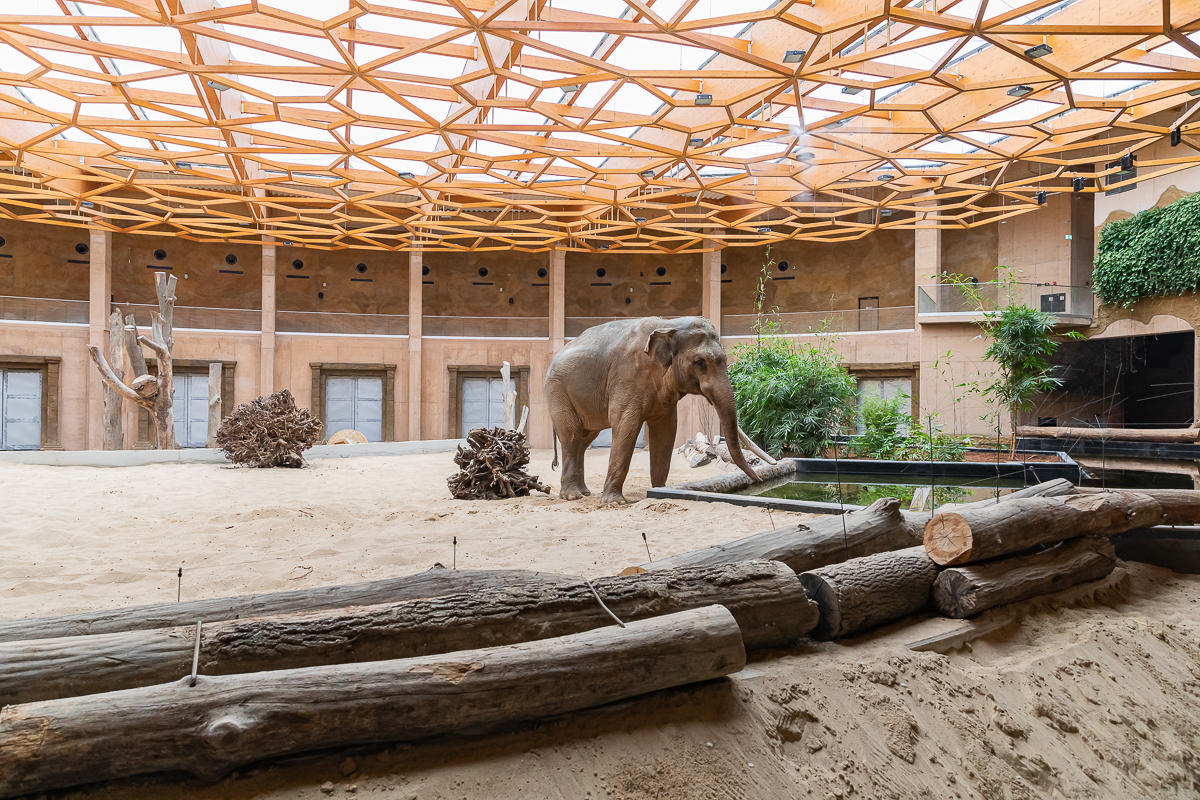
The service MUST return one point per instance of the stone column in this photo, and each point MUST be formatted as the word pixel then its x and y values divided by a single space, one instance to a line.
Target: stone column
pixel 266 350
pixel 99 306
pixel 710 287
pixel 558 319
pixel 415 314
pixel 927 267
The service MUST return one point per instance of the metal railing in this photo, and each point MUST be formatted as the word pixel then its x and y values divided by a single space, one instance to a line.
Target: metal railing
pixel 487 327
pixel 198 317
pixel 894 318
pixel 39 309
pixel 338 323
pixel 1056 299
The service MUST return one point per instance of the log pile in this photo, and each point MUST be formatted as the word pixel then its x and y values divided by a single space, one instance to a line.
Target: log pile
pixel 492 467
pixel 269 432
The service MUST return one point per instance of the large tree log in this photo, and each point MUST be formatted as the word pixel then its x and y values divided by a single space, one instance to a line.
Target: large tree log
pixel 868 592
pixel 225 721
pixel 114 401
pixel 1179 506
pixel 1165 435
pixel 765 598
pixel 432 583
pixel 814 543
pixel 215 370
pixel 965 591
pixel 983 532
pixel 737 480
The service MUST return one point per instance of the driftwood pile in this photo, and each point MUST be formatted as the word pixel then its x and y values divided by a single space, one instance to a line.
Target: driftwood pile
pixel 492 467
pixel 269 432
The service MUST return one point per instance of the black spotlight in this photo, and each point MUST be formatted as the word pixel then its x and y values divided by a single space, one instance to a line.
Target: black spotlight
pixel 661 271
pixel 361 268
pixel 82 249
pixel 482 271
pixel 541 273
pixel 1127 161
pixel 1078 183
pixel 600 273
pixel 159 255
pixel 783 266
pixel 1041 198
pixel 723 269
pixel 1176 137
pixel 297 264
pixel 231 259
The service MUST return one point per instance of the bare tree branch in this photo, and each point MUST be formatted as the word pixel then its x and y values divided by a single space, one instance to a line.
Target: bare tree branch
pixel 111 379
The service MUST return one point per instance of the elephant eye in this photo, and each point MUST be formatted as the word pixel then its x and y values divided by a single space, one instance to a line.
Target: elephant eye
pixel 700 363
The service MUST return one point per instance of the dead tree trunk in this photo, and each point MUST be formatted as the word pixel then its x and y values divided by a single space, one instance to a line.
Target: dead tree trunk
pixel 1165 435
pixel 983 532
pixel 968 590
pixel 225 721
pixel 733 481
pixel 114 403
pixel 436 582
pixel 879 527
pixel 215 370
pixel 868 592
pixel 154 393
pixel 1179 506
pixel 765 598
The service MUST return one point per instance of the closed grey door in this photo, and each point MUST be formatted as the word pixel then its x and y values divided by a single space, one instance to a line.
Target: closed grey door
pixel 190 407
pixel 20 409
pixel 482 404
pixel 604 439
pixel 355 403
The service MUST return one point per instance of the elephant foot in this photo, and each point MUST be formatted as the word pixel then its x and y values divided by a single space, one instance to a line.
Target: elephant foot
pixel 572 492
pixel 616 498
pixel 586 491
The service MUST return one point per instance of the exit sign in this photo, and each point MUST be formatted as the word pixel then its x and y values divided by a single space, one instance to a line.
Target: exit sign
pixel 1068 236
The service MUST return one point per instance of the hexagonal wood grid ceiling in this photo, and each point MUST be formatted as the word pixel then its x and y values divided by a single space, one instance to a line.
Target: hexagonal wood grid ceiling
pixel 646 125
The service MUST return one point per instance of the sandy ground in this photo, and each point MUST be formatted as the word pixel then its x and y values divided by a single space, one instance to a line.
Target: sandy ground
pixel 1099 699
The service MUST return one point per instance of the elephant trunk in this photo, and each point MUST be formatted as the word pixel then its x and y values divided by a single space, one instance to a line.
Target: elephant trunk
pixel 720 394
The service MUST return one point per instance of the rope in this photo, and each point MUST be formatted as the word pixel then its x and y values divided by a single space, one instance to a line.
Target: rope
pixel 601 602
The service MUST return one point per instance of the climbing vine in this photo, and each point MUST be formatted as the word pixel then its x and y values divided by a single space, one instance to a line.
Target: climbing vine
pixel 1154 252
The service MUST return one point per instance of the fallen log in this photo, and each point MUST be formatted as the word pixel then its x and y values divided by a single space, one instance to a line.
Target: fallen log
pixel 765 598
pixel 980 533
pixel 1058 487
pixel 1179 506
pixel 431 583
pixel 737 480
pixel 224 721
pixel 879 527
pixel 1164 435
pixel 968 590
pixel 864 593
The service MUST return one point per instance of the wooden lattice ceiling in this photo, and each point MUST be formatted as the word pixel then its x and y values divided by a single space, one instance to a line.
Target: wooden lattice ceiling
pixel 528 124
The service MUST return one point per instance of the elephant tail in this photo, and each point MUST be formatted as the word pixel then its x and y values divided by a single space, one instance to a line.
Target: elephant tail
pixel 554 463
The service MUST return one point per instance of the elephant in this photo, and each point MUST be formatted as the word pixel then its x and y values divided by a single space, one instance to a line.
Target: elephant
pixel 624 373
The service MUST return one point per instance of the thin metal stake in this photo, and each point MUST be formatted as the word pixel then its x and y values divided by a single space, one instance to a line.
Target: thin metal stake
pixel 454 557
pixel 179 586
pixel 647 543
pixel 195 655
pixel 998 458
pixel 932 480
pixel 772 516
pixel 837 471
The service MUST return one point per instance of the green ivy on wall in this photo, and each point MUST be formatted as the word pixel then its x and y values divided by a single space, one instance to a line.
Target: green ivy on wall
pixel 1154 252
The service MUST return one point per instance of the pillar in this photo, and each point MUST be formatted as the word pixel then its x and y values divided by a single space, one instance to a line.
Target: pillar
pixel 558 296
pixel 266 349
pixel 710 287
pixel 415 314
pixel 927 267
pixel 99 306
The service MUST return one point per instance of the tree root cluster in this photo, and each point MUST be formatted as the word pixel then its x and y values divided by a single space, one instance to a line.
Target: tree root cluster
pixel 492 466
pixel 269 432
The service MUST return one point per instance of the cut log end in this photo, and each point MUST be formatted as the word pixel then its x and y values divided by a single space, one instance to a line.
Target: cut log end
pixel 948 538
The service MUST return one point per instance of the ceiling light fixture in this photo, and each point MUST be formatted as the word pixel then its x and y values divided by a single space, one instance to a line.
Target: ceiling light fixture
pixel 851 89
pixel 1020 91
pixel 887 176
pixel 639 220
pixel 696 142
pixel 805 156
pixel 1041 198
pixel 407 176
pixel 574 87
pixel 794 56
pixel 943 139
pixel 1078 183
pixel 220 87
pixel 1039 50
pixel 1176 137
pixel 704 99
pixel 1127 161
pixel 648 174
pixel 1195 92
pixel 764 230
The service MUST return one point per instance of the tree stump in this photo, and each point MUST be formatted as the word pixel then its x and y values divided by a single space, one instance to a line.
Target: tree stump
pixel 967 590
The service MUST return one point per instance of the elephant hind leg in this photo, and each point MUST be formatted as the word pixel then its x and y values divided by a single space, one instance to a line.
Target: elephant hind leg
pixel 574 440
pixel 660 438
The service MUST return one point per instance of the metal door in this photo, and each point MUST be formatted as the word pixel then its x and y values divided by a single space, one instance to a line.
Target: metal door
pixel 20 410
pixel 482 403
pixel 887 388
pixel 604 439
pixel 190 407
pixel 355 403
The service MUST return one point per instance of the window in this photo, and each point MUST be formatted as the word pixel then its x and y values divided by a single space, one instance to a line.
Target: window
pixel 355 403
pixel 190 407
pixel 20 409
pixel 886 388
pixel 868 313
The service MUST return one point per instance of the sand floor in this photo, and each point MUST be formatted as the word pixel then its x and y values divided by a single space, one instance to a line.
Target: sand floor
pixel 1096 700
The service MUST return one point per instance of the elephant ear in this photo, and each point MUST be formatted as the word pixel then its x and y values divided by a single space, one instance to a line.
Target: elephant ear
pixel 660 344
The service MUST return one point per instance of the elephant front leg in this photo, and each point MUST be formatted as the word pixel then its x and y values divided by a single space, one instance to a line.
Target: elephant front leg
pixel 624 440
pixel 660 438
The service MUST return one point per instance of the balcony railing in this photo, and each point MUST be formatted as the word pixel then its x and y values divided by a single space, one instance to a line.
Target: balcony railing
pixel 487 327
pixel 1069 303
pixel 198 317
pixel 38 309
pixel 866 320
pixel 344 324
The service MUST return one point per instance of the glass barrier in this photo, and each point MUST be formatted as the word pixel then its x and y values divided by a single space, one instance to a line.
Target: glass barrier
pixel 863 320
pixel 38 309
pixel 355 324
pixel 1057 299
pixel 487 327
pixel 228 319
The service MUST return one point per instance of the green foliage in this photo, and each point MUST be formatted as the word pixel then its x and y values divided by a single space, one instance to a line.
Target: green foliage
pixel 889 433
pixel 789 396
pixel 1154 252
pixel 1020 343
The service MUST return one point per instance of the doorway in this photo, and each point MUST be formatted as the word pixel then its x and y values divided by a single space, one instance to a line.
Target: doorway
pixel 482 403
pixel 190 407
pixel 355 403
pixel 20 409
